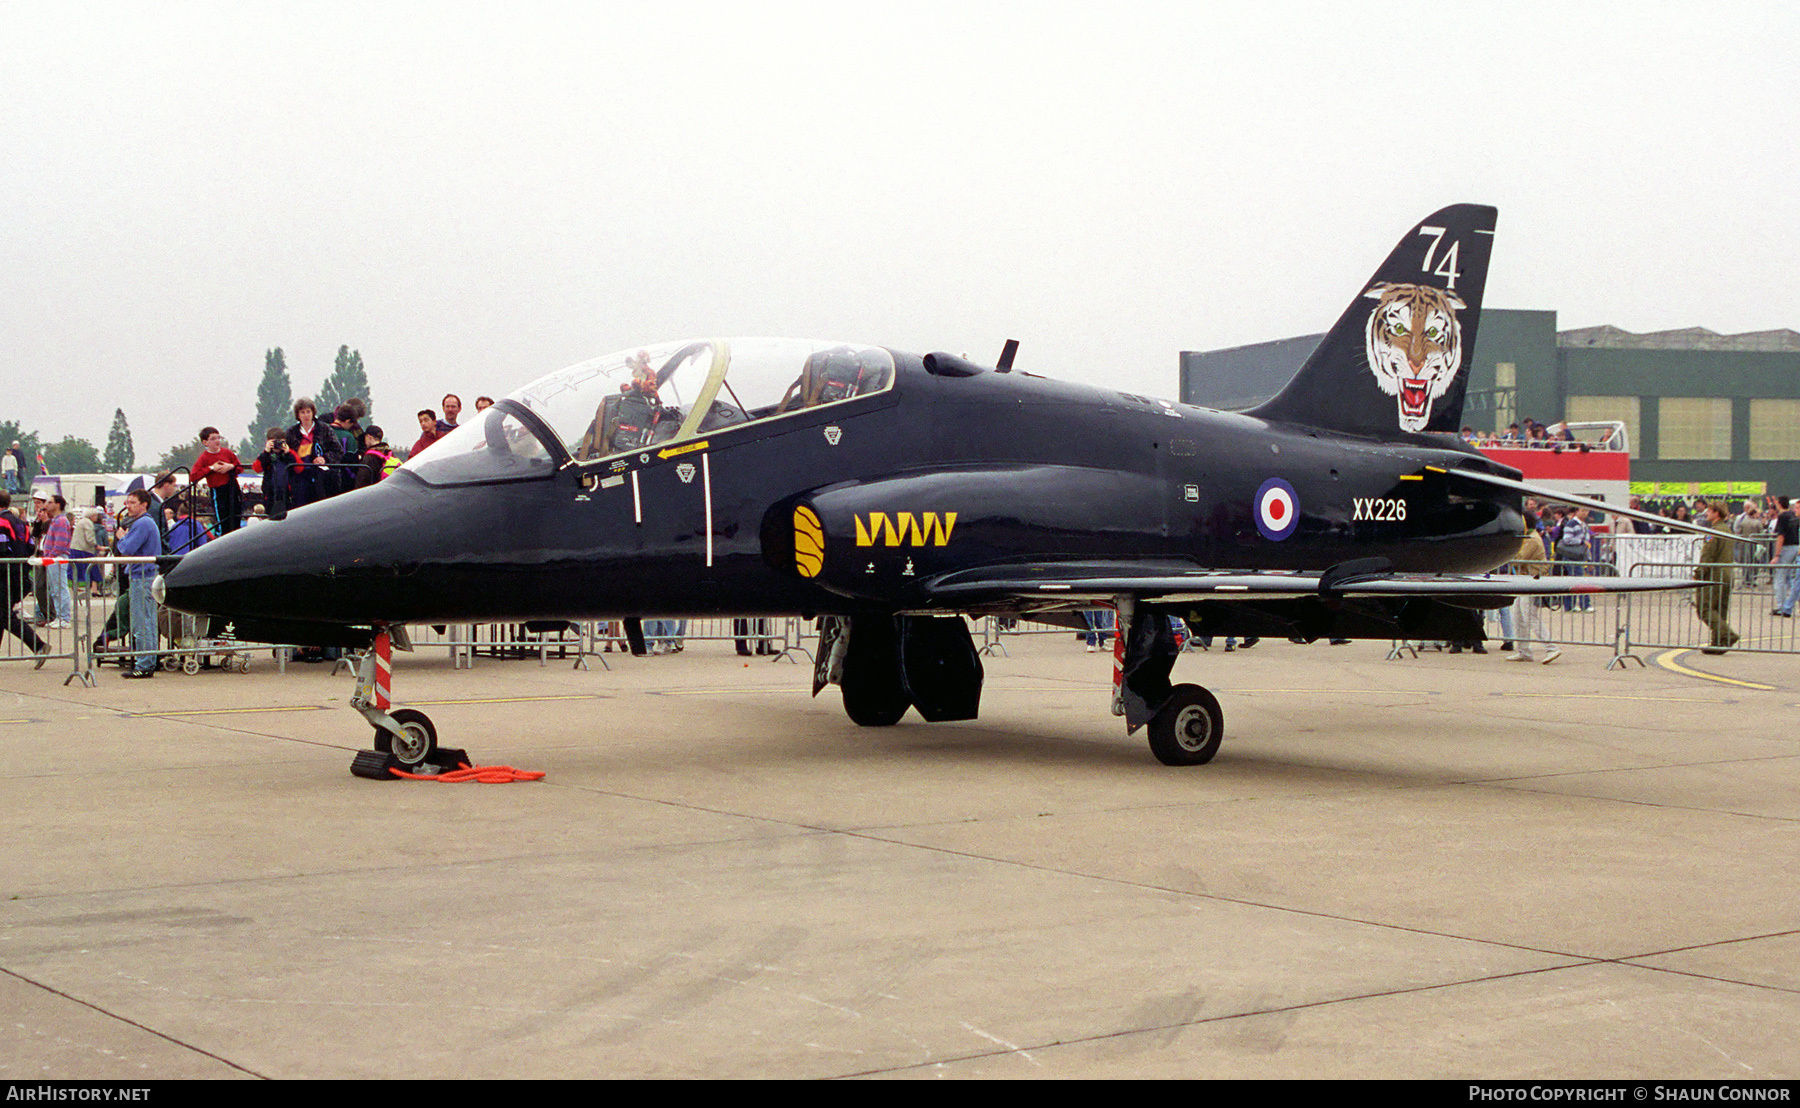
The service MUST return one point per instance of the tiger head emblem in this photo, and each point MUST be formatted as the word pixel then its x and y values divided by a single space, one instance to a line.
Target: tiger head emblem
pixel 1414 345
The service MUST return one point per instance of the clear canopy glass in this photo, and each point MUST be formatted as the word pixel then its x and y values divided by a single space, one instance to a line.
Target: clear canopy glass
pixel 682 390
pixel 630 400
pixel 494 446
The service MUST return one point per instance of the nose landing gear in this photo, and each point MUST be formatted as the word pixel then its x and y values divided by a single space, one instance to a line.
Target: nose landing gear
pixel 405 739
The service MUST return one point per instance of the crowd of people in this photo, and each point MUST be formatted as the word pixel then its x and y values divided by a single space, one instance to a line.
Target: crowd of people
pixel 1560 539
pixel 316 459
pixel 1529 434
pixel 301 464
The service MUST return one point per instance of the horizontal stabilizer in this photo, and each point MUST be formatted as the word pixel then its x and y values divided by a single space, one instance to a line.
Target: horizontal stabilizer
pixel 1592 505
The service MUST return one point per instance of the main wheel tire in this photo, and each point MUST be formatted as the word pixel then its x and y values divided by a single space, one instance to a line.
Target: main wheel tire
pixel 874 695
pixel 419 744
pixel 874 703
pixel 1188 728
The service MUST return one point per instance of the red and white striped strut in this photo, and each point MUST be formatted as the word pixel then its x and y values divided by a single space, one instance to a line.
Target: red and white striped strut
pixel 1123 610
pixel 384 670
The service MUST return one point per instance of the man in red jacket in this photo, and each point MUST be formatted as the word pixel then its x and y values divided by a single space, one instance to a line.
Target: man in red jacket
pixel 428 433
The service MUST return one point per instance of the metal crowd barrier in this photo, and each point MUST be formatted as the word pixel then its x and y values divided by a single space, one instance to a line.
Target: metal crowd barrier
pixel 1750 609
pixel 465 642
pixel 1621 621
pixel 1655 620
pixel 1583 619
pixel 30 628
pixel 996 629
pixel 96 629
pixel 782 639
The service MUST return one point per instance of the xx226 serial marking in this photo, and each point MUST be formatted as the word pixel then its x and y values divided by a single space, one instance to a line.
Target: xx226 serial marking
pixel 1378 509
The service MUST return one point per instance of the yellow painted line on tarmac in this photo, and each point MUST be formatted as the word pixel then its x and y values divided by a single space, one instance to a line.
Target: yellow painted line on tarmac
pixel 327 707
pixel 752 690
pixel 507 699
pixel 1611 696
pixel 231 711
pixel 1546 695
pixel 1319 690
pixel 1667 661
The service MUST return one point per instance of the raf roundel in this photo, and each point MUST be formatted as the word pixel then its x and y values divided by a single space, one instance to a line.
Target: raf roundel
pixel 1277 509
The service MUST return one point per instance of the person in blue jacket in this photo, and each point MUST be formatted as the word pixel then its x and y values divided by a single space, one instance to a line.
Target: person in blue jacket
pixel 140 538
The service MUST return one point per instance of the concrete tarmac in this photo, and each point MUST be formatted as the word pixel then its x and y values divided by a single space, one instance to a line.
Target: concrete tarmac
pixel 1449 866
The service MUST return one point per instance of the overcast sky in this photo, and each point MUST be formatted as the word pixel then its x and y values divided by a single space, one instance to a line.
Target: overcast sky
pixel 475 194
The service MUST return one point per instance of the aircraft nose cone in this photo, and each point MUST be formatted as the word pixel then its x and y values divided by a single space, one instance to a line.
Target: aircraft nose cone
pixel 294 568
pixel 229 576
pixel 400 551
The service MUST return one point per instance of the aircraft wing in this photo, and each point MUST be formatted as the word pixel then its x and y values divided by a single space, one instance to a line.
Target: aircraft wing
pixel 1070 584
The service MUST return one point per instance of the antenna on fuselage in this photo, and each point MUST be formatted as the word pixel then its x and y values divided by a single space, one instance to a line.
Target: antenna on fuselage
pixel 1004 365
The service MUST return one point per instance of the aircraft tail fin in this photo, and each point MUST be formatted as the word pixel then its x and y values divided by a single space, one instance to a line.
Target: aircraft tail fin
pixel 1398 358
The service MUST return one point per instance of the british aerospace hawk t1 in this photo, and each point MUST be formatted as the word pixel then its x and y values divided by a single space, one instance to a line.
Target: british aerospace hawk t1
pixel 889 494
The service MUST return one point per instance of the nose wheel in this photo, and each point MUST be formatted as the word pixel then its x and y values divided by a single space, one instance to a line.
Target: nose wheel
pixel 417 740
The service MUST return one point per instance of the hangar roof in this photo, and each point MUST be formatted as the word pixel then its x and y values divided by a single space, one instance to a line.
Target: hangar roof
pixel 1685 338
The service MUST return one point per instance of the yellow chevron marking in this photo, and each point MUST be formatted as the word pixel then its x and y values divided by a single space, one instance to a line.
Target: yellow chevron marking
pixel 905 529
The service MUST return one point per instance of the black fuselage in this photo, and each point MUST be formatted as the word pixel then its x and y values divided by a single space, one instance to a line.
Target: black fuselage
pixel 1033 470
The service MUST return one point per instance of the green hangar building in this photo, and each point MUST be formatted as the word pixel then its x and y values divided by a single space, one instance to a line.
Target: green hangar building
pixel 1707 413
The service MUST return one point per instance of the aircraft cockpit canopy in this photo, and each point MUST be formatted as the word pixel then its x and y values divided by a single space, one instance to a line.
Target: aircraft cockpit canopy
pixel 494 446
pixel 683 390
pixel 650 395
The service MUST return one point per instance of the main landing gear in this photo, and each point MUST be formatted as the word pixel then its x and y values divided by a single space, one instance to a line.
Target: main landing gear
pixel 886 664
pixel 405 739
pixel 1186 722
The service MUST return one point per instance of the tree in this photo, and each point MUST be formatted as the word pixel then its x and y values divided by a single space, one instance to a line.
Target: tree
pixel 347 380
pixel 274 400
pixel 119 456
pixel 72 455
pixel 11 432
pixel 181 457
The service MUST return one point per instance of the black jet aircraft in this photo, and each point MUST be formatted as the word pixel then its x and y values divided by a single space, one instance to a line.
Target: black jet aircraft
pixel 890 494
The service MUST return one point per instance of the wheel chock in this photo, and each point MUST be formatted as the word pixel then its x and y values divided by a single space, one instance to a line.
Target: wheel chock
pixel 375 764
pixel 442 760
